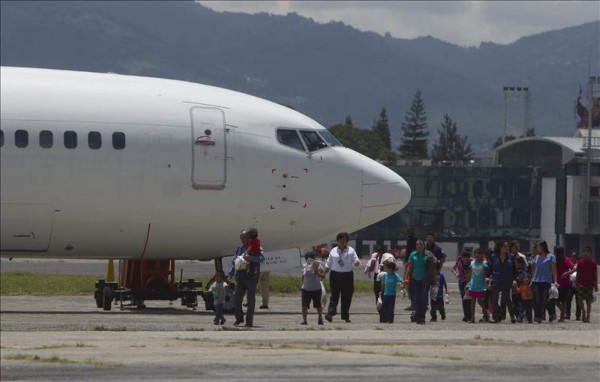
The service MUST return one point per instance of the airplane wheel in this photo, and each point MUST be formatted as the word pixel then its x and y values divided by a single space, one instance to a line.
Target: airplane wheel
pixel 107 297
pixel 98 298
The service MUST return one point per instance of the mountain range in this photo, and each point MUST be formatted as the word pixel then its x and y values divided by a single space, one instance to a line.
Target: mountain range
pixel 326 71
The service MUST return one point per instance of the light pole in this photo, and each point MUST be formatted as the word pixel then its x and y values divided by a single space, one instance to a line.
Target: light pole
pixel 515 94
pixel 594 80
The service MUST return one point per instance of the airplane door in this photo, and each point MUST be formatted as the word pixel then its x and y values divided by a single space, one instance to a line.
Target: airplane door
pixel 209 149
pixel 25 227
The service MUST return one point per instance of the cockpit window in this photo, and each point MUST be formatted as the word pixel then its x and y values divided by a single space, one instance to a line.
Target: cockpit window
pixel 313 140
pixel 329 138
pixel 289 138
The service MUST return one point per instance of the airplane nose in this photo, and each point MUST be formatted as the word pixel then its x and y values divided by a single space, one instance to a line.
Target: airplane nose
pixel 383 192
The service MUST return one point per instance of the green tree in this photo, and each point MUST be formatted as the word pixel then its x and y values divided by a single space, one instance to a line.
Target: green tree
pixel 349 121
pixel 414 131
pixel 363 141
pixel 530 133
pixel 498 142
pixel 450 145
pixel 382 129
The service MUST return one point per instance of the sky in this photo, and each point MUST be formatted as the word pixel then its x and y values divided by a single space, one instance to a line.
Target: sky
pixel 464 23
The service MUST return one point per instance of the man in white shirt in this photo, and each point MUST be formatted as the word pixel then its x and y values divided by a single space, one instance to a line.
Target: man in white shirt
pixel 341 261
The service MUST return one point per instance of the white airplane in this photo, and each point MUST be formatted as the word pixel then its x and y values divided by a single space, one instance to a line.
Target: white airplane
pixel 108 166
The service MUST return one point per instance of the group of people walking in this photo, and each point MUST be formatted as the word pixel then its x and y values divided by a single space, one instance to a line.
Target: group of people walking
pixel 500 281
pixel 528 287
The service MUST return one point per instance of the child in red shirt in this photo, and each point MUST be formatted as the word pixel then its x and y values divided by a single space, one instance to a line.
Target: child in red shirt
pixel 253 254
pixel 526 295
pixel 254 243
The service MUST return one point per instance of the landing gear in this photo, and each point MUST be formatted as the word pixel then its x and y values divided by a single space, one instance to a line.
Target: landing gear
pixel 98 298
pixel 107 297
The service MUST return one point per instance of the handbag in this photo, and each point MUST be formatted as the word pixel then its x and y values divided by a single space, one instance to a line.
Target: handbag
pixel 323 295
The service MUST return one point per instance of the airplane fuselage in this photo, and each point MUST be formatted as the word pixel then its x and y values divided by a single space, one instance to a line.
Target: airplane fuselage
pixel 111 166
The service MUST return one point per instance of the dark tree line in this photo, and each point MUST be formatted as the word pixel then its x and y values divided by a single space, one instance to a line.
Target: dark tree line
pixel 376 142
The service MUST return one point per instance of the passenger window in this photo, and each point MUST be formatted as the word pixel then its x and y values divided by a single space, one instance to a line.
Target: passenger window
pixel 70 139
pixel 21 138
pixel 289 138
pixel 46 139
pixel 94 140
pixel 118 140
pixel 313 140
pixel 1 138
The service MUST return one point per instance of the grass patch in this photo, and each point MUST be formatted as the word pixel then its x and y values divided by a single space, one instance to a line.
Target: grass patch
pixel 95 362
pixel 405 355
pixel 57 359
pixel 36 284
pixel 105 329
pixel 36 358
pixel 23 283
pixel 61 346
pixel 291 284
pixel 190 339
pixel 454 358
pixel 552 343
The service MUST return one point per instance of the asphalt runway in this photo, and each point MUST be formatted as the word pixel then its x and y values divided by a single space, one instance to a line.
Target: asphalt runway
pixel 68 339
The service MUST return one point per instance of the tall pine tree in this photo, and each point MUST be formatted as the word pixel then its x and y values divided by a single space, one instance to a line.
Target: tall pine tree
pixel 349 121
pixel 381 128
pixel 450 146
pixel 414 131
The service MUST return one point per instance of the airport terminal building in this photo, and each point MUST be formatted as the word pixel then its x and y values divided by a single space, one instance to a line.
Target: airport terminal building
pixel 533 188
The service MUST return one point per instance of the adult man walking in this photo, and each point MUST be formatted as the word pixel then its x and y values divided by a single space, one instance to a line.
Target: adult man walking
pixel 247 271
pixel 341 280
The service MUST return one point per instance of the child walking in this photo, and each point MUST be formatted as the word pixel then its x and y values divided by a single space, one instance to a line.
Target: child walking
pixel 218 292
pixel 436 294
pixel 476 287
pixel 312 273
pixel 389 281
pixel 526 299
pixel 520 272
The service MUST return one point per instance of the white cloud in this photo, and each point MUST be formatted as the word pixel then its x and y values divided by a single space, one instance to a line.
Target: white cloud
pixel 460 22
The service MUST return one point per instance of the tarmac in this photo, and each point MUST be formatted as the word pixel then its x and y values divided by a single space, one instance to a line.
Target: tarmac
pixel 67 338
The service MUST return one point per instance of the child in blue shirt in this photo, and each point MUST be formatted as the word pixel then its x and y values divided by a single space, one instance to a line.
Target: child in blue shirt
pixel 477 283
pixel 389 281
pixel 436 294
